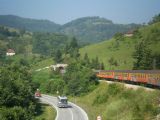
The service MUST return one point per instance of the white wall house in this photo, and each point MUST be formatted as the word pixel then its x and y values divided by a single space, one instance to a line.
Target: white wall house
pixel 10 52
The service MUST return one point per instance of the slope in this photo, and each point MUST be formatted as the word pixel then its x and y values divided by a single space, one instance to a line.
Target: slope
pixel 94 29
pixel 121 50
pixel 28 24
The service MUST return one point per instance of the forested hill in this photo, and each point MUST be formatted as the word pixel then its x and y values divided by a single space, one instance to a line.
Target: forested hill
pixel 28 24
pixel 86 29
pixel 94 29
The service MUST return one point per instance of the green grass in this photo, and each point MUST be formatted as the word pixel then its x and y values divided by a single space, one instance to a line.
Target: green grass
pixel 105 50
pixel 123 53
pixel 41 77
pixel 47 113
pixel 115 102
pixel 43 63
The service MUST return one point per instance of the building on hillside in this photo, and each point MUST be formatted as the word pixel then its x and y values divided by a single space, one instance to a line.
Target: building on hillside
pixel 129 34
pixel 10 52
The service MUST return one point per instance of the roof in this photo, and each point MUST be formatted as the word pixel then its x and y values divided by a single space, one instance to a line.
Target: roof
pixel 10 51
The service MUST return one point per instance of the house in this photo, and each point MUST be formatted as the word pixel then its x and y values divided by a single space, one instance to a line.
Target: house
pixel 10 52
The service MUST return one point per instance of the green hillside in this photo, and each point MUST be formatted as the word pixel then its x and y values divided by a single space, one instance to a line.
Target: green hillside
pixel 115 102
pixel 94 29
pixel 28 24
pixel 120 50
pixel 86 29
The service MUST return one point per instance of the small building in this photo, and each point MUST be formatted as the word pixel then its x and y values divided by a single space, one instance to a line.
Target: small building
pixel 10 52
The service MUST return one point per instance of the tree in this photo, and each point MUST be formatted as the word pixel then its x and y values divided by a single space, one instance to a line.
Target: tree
pixel 16 93
pixel 155 19
pixel 58 56
pixel 143 57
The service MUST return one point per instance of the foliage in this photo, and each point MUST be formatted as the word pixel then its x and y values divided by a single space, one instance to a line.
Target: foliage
pixel 123 54
pixel 46 112
pixel 155 19
pixel 16 92
pixel 87 29
pixel 143 57
pixel 47 43
pixel 119 103
pixel 79 79
pixel 28 24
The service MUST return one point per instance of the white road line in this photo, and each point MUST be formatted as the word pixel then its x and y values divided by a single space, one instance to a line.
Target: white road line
pixel 53 106
pixel 82 111
pixel 71 113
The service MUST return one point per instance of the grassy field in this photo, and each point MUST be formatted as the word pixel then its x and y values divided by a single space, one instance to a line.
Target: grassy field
pixel 115 102
pixel 105 50
pixel 122 52
pixel 43 63
pixel 47 113
pixel 41 77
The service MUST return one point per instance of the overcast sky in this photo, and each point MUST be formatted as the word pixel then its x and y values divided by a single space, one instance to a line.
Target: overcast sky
pixel 63 11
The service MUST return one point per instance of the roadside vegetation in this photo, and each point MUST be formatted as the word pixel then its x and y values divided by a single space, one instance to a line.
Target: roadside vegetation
pixel 115 102
pixel 45 112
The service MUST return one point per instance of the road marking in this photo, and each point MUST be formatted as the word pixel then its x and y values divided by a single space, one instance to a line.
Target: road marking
pixel 54 105
pixel 51 105
pixel 82 111
pixel 71 113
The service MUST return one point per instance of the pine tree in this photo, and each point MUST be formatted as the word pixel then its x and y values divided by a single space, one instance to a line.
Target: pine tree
pixel 143 57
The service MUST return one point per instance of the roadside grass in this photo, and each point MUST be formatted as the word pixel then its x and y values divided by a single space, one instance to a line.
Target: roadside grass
pixel 115 102
pixel 41 77
pixel 43 63
pixel 46 113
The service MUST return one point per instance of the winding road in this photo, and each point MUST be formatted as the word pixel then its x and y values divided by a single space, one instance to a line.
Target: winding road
pixel 74 112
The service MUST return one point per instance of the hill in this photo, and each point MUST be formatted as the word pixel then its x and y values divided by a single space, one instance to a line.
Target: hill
pixel 28 24
pixel 117 53
pixel 86 29
pixel 94 29
pixel 116 102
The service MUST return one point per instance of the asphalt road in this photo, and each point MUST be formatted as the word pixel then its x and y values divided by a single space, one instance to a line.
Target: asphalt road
pixel 72 113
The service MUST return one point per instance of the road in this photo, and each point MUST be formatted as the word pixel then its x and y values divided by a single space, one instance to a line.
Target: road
pixel 72 113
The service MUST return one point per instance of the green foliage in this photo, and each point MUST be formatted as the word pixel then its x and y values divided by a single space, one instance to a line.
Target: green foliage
pixel 47 43
pixel 28 24
pixel 121 57
pixel 16 93
pixel 143 57
pixel 79 79
pixel 120 103
pixel 155 19
pixel 94 29
pixel 87 29
pixel 57 56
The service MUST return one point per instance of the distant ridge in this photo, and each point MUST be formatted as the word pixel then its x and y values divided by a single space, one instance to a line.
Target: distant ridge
pixel 86 29
pixel 28 23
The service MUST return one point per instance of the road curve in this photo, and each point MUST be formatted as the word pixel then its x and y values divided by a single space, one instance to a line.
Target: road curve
pixel 72 113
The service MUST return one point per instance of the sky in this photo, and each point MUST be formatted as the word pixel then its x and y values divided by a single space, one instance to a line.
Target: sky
pixel 63 11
